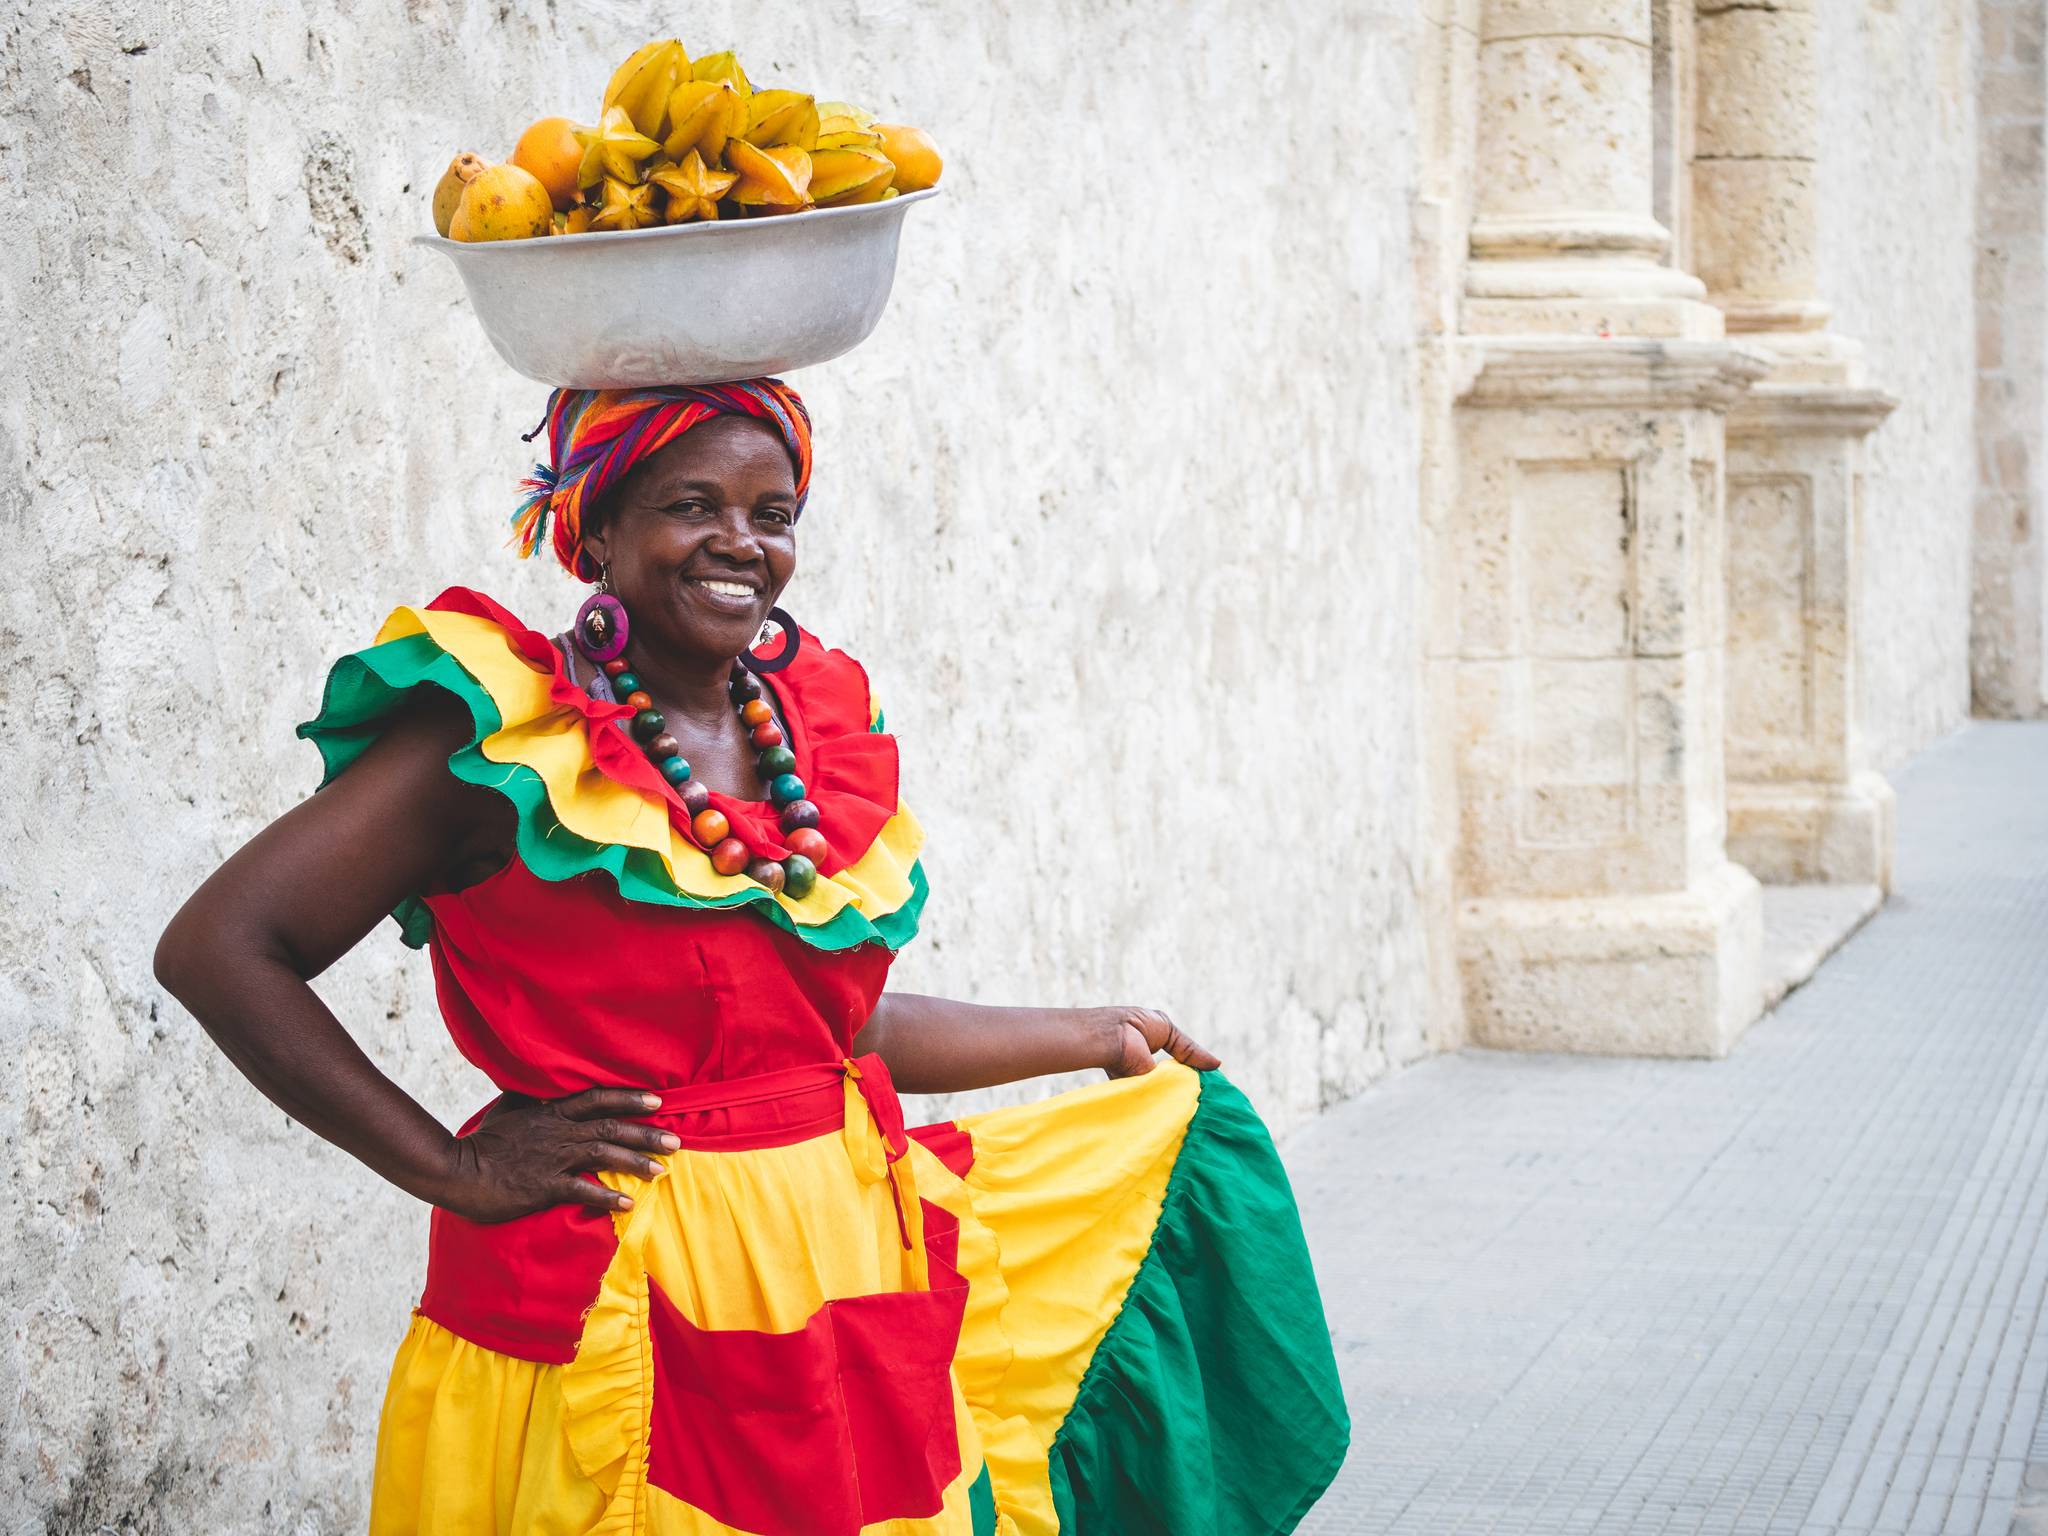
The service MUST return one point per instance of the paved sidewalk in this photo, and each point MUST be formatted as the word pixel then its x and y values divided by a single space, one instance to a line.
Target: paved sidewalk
pixel 1799 1291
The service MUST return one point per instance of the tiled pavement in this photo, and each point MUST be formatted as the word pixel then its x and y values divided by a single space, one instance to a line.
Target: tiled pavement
pixel 1798 1291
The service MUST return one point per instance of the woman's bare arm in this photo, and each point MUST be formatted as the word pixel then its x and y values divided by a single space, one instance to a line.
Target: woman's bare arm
pixel 936 1045
pixel 240 953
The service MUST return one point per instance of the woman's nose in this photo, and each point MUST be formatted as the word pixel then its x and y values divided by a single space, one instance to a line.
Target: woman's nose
pixel 734 537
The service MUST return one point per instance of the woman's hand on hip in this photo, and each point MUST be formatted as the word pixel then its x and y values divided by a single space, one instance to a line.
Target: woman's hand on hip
pixel 1138 1034
pixel 528 1154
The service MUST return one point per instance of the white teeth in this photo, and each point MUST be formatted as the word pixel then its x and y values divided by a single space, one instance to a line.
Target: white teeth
pixel 729 588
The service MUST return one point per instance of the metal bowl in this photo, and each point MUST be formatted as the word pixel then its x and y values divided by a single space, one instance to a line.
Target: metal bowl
pixel 686 304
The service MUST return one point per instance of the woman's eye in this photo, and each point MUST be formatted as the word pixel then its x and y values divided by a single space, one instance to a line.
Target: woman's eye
pixel 690 508
pixel 779 516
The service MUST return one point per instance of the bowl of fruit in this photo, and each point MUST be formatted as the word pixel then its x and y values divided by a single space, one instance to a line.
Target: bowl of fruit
pixel 701 230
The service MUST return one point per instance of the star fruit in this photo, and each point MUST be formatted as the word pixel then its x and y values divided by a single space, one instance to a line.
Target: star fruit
pixel 693 190
pixel 626 206
pixel 723 66
pixel 776 180
pixel 775 118
pixel 702 115
pixel 614 148
pixel 840 177
pixel 642 84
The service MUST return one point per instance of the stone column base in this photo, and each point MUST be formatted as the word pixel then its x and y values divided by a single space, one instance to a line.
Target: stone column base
pixel 1673 974
pixel 1797 834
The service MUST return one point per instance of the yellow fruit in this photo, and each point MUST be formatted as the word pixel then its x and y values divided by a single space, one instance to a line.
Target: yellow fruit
pixel 577 220
pixel 693 189
pixel 702 115
pixel 502 202
pixel 626 207
pixel 782 117
pixel 858 117
pixel 614 148
pixel 844 133
pixel 843 176
pixel 549 149
pixel 723 66
pixel 774 180
pixel 448 190
pixel 642 84
pixel 914 155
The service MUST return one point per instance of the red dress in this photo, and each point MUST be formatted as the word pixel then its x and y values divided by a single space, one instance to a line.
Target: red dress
pixel 811 1323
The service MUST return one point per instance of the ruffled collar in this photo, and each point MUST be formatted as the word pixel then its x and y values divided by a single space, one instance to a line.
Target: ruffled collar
pixel 850 770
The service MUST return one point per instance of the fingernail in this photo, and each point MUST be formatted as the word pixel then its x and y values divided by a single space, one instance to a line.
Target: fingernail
pixel 625 1202
pixel 650 1101
pixel 670 1143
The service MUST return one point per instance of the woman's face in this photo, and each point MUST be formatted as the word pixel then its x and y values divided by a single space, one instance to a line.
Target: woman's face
pixel 701 538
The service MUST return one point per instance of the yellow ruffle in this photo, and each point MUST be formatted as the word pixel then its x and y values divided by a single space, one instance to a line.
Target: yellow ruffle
pixel 554 742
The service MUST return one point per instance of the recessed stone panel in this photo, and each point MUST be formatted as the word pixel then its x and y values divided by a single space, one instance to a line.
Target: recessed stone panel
pixel 1769 579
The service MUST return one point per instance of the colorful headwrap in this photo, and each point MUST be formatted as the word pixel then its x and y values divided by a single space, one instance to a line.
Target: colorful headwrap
pixel 596 435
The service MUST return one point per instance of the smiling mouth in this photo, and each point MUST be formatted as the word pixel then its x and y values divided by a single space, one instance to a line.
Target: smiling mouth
pixel 739 589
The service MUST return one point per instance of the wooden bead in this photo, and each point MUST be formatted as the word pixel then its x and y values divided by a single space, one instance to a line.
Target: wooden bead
pixel 799 874
pixel 664 745
pixel 757 712
pixel 615 666
pixel 710 827
pixel 695 797
pixel 640 698
pixel 774 761
pixel 785 788
pixel 769 735
pixel 674 769
pixel 744 685
pixel 800 813
pixel 730 856
pixel 648 724
pixel 766 872
pixel 809 842
pixel 624 683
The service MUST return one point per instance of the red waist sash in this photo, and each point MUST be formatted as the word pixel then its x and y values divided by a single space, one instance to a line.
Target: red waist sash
pixel 522 1287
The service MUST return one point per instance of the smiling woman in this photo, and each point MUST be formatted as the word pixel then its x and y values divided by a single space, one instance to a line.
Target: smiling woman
pixel 690 1272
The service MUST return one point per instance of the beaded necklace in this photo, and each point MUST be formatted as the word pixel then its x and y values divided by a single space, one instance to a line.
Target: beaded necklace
pixel 793 876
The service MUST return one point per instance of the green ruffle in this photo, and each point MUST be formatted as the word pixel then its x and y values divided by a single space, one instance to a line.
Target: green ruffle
pixel 1212 1405
pixel 366 688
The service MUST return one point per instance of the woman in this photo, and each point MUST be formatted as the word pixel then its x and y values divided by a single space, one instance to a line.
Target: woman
pixel 688 1273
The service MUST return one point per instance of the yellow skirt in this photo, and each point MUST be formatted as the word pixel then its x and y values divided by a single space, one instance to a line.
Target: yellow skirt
pixel 819 1340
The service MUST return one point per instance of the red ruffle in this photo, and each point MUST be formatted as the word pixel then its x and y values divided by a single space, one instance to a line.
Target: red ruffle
pixel 850 772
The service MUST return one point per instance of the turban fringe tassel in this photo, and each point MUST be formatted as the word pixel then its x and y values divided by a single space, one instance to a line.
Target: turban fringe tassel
pixel 596 436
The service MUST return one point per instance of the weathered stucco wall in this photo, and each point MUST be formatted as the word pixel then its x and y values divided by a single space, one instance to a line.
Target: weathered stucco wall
pixel 1897 167
pixel 1125 537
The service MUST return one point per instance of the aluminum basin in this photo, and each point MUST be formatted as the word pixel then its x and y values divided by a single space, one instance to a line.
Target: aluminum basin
pixel 687 303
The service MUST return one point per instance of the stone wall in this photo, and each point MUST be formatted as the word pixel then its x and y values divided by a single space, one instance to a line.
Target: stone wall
pixel 1127 540
pixel 2009 621
pixel 1897 171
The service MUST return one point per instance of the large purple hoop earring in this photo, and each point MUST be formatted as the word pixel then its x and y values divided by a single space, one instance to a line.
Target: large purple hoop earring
pixel 793 642
pixel 601 626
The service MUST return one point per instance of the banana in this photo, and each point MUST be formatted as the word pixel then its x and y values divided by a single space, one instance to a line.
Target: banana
pixel 642 84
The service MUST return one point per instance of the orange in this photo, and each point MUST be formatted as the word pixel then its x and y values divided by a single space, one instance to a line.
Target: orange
pixel 914 155
pixel 548 149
